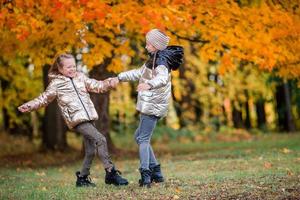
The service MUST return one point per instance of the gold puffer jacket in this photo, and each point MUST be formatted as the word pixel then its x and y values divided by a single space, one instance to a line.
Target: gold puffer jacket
pixel 156 100
pixel 72 97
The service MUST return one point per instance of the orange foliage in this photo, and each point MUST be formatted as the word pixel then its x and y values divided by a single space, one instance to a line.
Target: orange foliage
pixel 265 35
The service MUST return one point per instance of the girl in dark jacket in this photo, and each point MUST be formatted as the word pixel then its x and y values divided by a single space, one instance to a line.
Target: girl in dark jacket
pixel 154 92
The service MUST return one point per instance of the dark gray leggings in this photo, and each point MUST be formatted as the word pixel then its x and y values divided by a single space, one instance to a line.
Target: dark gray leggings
pixel 142 137
pixel 94 142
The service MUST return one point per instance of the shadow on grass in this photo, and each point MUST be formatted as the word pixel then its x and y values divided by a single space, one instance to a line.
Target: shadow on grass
pixel 44 159
pixel 36 158
pixel 40 159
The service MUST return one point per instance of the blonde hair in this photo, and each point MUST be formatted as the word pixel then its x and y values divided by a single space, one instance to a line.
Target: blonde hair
pixel 58 63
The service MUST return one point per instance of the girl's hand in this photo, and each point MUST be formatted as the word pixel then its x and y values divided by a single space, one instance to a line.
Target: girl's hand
pixel 114 82
pixel 143 87
pixel 24 108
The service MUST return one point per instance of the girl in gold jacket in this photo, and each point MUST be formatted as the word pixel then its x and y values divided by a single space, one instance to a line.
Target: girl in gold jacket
pixel 71 89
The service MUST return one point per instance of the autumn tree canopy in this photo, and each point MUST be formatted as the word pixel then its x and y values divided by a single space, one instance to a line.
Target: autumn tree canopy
pixel 225 30
pixel 264 35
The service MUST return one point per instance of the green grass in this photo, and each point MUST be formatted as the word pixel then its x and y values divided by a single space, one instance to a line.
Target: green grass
pixel 267 167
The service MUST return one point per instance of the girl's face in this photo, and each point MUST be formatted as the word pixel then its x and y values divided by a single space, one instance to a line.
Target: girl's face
pixel 150 48
pixel 69 67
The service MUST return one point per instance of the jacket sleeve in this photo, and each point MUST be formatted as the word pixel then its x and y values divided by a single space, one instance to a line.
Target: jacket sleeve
pixel 96 86
pixel 161 78
pixel 44 99
pixel 131 75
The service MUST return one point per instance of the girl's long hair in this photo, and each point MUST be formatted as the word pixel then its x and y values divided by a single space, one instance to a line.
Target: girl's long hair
pixel 58 63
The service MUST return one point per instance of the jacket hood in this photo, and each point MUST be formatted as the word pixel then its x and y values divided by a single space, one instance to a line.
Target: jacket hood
pixel 173 55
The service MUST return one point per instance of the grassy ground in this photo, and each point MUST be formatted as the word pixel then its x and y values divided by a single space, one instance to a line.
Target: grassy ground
pixel 267 167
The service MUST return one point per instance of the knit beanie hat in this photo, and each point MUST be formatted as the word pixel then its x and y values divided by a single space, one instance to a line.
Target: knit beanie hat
pixel 158 39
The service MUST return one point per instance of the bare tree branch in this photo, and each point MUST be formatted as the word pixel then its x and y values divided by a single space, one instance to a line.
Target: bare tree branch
pixel 189 39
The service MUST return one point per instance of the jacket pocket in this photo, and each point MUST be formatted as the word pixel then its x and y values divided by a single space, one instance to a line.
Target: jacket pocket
pixel 71 112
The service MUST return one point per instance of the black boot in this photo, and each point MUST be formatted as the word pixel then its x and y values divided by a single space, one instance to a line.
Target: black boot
pixel 113 177
pixel 145 178
pixel 156 175
pixel 84 181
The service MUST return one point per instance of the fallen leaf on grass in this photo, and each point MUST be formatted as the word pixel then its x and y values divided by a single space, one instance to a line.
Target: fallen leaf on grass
pixel 175 197
pixel 40 173
pixel 286 150
pixel 268 165
pixel 289 172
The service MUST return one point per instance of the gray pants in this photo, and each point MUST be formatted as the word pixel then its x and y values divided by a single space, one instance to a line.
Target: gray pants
pixel 94 142
pixel 142 137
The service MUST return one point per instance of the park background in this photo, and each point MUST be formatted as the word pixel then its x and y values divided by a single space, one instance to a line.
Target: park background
pixel 232 130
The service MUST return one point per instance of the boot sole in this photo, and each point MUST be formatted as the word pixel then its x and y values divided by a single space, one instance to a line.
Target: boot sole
pixel 145 185
pixel 85 185
pixel 110 183
pixel 158 180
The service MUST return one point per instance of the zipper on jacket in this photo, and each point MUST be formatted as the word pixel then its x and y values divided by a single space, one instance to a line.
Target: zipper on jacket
pixel 80 99
pixel 153 64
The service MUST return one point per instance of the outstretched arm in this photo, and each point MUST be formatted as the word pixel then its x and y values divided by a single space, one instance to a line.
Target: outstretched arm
pixel 131 75
pixel 43 100
pixel 97 86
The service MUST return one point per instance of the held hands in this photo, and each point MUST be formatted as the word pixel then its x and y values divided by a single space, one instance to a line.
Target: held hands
pixel 143 87
pixel 113 82
pixel 24 108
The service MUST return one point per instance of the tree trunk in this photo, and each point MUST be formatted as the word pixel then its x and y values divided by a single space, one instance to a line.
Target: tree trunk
pixel 101 102
pixel 178 110
pixel 237 118
pixel 5 120
pixel 224 116
pixel 133 96
pixel 198 111
pixel 289 116
pixel 280 107
pixel 248 118
pixel 261 114
pixel 284 108
pixel 5 117
pixel 54 128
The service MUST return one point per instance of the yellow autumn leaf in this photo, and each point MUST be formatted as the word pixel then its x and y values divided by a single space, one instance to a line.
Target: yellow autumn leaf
pixel 286 150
